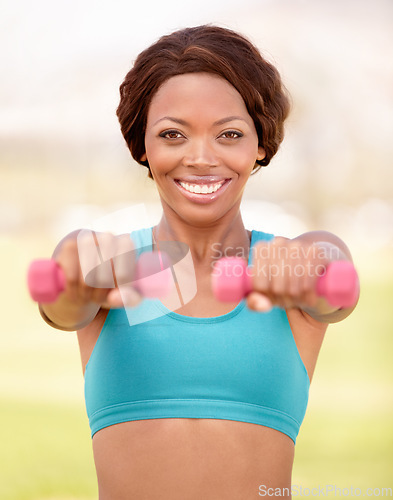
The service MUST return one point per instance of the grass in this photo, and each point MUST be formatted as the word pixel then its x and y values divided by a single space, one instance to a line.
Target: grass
pixel 45 453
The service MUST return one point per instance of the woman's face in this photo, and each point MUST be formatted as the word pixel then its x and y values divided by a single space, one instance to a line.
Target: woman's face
pixel 201 145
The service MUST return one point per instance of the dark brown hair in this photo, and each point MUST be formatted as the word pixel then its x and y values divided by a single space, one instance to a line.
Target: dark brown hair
pixel 207 49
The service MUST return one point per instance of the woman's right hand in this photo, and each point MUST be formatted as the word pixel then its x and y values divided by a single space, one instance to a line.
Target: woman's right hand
pixel 98 270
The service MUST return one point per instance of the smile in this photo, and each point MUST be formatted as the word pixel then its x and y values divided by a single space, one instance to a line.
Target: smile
pixel 205 190
pixel 201 188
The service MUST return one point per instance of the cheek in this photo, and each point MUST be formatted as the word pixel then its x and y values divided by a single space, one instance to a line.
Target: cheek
pixel 243 158
pixel 160 162
pixel 159 158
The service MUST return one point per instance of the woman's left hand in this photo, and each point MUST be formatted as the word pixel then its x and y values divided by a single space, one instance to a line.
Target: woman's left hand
pixel 285 272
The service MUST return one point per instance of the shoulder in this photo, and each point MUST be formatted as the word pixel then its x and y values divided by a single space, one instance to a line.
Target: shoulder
pixel 308 237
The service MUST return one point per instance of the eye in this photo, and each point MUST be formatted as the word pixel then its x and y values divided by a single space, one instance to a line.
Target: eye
pixel 171 134
pixel 231 134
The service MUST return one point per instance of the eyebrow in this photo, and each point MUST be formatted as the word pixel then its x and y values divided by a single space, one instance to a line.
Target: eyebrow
pixel 185 123
pixel 228 119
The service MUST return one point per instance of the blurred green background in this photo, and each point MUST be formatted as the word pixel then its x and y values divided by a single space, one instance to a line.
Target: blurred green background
pixel 63 165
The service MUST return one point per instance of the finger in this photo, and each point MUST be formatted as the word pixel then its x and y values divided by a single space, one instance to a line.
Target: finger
pixel 297 271
pixel 69 262
pixel 278 268
pixel 98 295
pixel 259 302
pixel 309 299
pixel 286 302
pixel 102 275
pixel 90 257
pixel 308 284
pixel 124 260
pixel 259 270
pixel 123 296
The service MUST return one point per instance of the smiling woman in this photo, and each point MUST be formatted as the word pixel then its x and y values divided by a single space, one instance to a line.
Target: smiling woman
pixel 203 399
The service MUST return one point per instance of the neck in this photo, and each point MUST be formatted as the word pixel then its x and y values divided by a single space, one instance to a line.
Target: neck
pixel 206 243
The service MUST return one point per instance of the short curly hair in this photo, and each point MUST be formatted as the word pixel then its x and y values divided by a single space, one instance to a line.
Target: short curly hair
pixel 205 49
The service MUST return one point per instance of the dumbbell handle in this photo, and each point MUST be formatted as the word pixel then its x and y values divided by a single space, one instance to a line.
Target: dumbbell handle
pixel 46 278
pixel 339 285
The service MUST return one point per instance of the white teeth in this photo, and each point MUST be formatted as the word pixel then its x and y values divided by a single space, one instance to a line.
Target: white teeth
pixel 201 188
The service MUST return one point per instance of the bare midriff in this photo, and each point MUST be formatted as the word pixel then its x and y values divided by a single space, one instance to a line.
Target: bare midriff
pixel 191 459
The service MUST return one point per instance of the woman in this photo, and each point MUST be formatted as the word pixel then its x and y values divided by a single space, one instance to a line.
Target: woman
pixel 203 400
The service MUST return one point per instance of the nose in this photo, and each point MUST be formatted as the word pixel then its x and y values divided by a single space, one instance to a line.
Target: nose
pixel 200 153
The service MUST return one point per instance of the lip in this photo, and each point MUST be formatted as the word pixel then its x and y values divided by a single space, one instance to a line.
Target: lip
pixel 203 198
pixel 201 179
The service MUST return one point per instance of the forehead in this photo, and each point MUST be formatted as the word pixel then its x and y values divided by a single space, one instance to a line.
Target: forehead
pixel 196 92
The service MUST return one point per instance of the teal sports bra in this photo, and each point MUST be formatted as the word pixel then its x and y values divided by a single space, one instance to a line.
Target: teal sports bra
pixel 242 366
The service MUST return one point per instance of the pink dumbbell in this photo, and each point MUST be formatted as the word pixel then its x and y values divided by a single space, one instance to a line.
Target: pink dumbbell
pixel 231 281
pixel 46 279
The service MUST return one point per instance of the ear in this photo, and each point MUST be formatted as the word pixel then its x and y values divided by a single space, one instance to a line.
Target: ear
pixel 261 153
pixel 144 157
